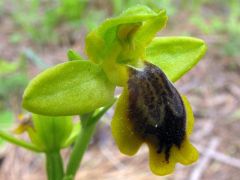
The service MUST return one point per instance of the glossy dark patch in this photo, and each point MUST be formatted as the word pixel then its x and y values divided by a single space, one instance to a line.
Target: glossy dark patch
pixel 156 110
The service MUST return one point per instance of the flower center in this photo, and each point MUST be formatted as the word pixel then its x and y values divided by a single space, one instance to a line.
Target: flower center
pixel 156 110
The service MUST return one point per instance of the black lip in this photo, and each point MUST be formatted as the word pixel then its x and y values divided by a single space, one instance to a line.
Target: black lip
pixel 156 110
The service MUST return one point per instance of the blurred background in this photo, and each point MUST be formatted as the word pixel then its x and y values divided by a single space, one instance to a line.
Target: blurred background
pixel 36 34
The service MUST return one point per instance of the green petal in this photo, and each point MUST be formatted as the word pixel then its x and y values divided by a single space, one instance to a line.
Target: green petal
pixel 135 14
pixel 71 88
pixel 175 55
pixel 123 39
pixel 127 142
pixel 113 37
pixel 148 31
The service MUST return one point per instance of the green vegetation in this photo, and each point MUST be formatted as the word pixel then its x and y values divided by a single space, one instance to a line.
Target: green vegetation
pixel 224 22
pixel 56 21
pixel 13 79
pixel 41 20
pixel 6 122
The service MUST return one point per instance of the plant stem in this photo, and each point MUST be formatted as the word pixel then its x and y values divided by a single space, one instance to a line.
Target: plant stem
pixel 6 136
pixel 54 166
pixel 80 146
pixel 88 126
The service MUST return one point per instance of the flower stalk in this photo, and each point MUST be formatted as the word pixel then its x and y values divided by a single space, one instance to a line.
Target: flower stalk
pixel 80 146
pixel 88 126
pixel 54 166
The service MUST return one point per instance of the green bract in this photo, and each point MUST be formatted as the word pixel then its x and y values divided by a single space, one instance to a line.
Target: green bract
pixel 74 87
pixel 50 133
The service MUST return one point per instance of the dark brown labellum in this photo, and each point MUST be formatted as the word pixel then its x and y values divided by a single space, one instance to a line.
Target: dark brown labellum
pixel 156 110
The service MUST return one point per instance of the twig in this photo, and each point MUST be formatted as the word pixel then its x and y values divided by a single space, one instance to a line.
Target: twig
pixel 204 131
pixel 223 158
pixel 104 142
pixel 204 161
pixel 111 157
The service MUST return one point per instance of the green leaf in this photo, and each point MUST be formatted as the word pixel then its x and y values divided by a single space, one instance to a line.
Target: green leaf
pixel 71 88
pixel 52 131
pixel 106 43
pixel 73 55
pixel 175 55
pixel 19 142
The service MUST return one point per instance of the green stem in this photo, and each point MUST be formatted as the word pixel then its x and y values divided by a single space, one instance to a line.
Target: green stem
pixel 6 136
pixel 88 126
pixel 80 147
pixel 54 166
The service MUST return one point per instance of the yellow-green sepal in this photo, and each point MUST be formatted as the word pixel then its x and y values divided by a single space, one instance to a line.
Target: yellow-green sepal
pixel 175 55
pixel 71 88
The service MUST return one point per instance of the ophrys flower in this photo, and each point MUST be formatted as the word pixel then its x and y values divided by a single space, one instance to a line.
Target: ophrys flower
pixel 123 51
